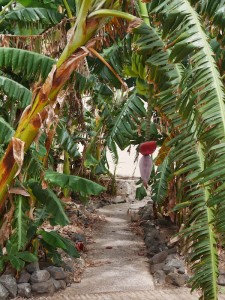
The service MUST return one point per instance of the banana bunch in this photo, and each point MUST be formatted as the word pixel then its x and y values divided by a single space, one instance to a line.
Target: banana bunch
pixel 137 67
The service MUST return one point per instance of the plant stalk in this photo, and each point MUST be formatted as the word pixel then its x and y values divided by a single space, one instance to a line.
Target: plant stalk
pixel 5 7
pixel 69 12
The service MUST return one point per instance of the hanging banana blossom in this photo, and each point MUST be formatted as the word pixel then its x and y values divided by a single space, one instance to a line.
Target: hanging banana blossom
pixel 146 163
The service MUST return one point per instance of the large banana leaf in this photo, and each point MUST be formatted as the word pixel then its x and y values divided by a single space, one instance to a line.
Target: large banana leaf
pixel 21 223
pixel 6 131
pixel 30 20
pixel 202 89
pixel 75 183
pixel 67 142
pixel 183 30
pixel 28 64
pixel 55 240
pixel 53 204
pixel 200 245
pixel 15 91
pixel 160 182
pixel 34 15
pixel 126 122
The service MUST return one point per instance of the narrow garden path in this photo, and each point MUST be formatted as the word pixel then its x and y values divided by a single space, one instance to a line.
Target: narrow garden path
pixel 119 270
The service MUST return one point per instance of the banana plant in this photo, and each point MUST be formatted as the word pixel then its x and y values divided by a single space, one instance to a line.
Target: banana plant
pixel 90 16
pixel 177 59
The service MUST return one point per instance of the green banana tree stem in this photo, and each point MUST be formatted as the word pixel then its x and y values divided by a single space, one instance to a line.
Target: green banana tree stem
pixel 5 7
pixel 145 17
pixel 66 170
pixel 79 33
pixel 69 12
pixel 144 12
pixel 112 13
pixel 148 119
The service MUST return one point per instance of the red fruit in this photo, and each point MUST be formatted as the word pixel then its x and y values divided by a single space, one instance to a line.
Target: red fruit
pixel 80 246
pixel 147 148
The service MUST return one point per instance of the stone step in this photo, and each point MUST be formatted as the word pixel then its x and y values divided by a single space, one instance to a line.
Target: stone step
pixel 161 294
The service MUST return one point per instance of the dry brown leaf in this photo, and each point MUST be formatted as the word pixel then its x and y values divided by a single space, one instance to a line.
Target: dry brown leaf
pixel 47 86
pixel 134 24
pixel 18 153
pixel 50 119
pixel 19 191
pixel 31 213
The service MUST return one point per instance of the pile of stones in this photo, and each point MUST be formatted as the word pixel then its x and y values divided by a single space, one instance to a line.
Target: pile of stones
pixel 33 281
pixel 167 265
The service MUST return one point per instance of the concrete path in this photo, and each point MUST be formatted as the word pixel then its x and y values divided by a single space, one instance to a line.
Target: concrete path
pixel 119 271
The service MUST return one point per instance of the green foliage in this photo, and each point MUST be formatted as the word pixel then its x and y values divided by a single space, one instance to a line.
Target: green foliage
pixel 113 55
pixel 124 125
pixel 160 180
pixel 6 131
pixel 52 203
pixel 15 91
pixel 26 63
pixel 21 223
pixel 201 251
pixel 170 63
pixel 55 240
pixel 77 184
pixel 34 15
pixel 140 193
pixel 67 142
pixel 15 258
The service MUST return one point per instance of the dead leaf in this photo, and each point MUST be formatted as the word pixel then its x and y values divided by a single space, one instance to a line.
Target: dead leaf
pixel 50 119
pixel 31 213
pixel 18 153
pixel 47 86
pixel 44 185
pixel 69 34
pixel 19 191
pixel 134 24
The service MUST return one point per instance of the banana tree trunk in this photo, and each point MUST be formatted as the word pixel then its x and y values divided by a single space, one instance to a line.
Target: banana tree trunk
pixel 33 117
pixel 45 96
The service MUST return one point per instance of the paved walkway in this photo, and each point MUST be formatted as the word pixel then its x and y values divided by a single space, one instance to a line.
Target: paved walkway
pixel 119 271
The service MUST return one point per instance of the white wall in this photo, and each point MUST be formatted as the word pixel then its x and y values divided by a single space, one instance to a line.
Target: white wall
pixel 126 166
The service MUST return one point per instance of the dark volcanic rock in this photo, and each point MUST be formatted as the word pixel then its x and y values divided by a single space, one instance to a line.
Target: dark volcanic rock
pixel 24 290
pixel 32 267
pixel 157 267
pixel 24 277
pixel 57 273
pixel 46 287
pixel 40 276
pixel 56 283
pixel 159 257
pixel 159 277
pixel 168 269
pixel 9 282
pixel 176 279
pixel 3 292
pixel 63 284
pixel 174 262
